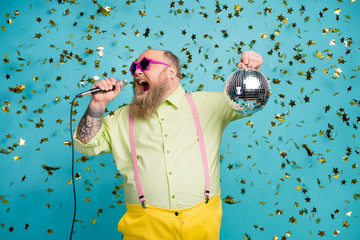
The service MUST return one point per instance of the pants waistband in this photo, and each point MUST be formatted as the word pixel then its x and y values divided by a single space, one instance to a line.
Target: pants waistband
pixel 175 213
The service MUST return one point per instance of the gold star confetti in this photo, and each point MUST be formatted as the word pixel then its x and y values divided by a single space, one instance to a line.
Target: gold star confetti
pixel 142 13
pixel 337 72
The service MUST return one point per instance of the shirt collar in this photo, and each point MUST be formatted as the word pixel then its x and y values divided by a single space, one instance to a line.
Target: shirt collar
pixel 176 97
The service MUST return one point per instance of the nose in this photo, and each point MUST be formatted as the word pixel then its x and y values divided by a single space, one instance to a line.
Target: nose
pixel 138 72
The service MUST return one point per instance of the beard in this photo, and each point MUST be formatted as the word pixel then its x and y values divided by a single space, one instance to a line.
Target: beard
pixel 145 104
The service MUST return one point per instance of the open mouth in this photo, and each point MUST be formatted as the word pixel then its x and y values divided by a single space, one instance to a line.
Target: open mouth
pixel 144 85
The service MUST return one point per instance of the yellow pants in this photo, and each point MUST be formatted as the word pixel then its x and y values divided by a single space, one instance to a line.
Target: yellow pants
pixel 200 222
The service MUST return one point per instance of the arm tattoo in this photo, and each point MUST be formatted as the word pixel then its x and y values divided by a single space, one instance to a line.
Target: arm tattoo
pixel 89 125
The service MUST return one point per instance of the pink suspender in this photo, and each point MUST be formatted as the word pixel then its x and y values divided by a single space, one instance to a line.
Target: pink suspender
pixel 202 148
pixel 135 162
pixel 202 145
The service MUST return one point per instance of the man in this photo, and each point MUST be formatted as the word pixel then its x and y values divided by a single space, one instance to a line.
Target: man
pixel 166 145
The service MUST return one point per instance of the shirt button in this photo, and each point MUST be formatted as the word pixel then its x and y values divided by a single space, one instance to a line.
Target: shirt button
pixel 170 173
pixel 176 214
pixel 173 196
pixel 166 135
pixel 162 119
pixel 167 151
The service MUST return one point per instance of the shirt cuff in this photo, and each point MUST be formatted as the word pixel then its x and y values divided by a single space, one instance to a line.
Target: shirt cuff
pixel 90 147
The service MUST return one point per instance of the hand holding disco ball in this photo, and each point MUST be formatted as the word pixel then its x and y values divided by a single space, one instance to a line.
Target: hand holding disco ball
pixel 247 91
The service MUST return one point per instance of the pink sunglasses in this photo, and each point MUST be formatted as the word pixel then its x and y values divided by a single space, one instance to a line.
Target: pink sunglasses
pixel 143 64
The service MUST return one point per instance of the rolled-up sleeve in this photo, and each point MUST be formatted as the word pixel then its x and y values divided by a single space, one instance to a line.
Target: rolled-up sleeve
pixel 99 144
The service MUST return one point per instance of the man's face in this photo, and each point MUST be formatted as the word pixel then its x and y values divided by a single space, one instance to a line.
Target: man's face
pixel 145 80
pixel 150 86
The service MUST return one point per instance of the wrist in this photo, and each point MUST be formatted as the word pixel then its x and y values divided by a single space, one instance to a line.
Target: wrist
pixel 96 109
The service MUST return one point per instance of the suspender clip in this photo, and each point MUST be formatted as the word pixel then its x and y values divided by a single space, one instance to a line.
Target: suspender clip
pixel 142 200
pixel 207 194
pixel 143 204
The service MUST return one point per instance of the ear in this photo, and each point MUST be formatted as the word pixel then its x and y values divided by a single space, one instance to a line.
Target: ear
pixel 172 71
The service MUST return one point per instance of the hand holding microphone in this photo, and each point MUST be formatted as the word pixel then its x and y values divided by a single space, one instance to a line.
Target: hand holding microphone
pixel 104 85
pixel 103 92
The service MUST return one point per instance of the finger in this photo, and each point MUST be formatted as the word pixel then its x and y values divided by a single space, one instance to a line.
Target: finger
pixel 107 84
pixel 110 84
pixel 258 61
pixel 113 81
pixel 99 84
pixel 104 84
pixel 252 60
pixel 115 84
pixel 241 65
pixel 117 87
pixel 245 58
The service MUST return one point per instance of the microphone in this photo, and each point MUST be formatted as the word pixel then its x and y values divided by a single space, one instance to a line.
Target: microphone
pixel 96 90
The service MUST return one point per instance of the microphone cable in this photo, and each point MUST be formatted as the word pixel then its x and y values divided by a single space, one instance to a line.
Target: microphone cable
pixel 90 92
pixel 72 166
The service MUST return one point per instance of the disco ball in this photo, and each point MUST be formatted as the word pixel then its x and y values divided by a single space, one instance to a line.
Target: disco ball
pixel 247 91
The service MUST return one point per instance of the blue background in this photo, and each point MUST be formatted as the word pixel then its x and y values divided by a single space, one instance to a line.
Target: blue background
pixel 279 191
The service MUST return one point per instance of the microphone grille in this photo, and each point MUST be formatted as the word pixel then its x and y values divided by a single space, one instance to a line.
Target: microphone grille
pixel 122 84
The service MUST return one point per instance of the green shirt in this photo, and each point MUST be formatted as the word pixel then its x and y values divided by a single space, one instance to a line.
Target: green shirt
pixel 169 157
